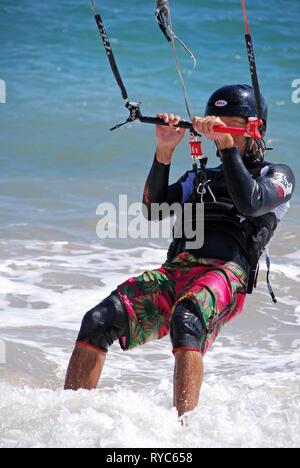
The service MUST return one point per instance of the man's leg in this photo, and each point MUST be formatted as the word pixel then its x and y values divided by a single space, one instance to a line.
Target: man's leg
pixel 100 327
pixel 187 334
pixel 188 379
pixel 85 368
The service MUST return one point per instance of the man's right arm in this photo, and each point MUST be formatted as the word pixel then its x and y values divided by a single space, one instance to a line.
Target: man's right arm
pixel 157 189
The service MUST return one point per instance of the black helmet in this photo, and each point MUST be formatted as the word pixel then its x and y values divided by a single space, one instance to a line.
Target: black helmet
pixel 236 101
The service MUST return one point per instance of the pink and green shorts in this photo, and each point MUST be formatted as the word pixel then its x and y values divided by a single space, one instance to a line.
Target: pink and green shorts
pixel 216 288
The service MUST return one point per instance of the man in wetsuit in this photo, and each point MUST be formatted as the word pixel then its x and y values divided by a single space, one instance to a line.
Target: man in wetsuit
pixel 195 292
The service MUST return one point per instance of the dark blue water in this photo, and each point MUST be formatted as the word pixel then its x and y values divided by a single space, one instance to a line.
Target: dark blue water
pixel 57 153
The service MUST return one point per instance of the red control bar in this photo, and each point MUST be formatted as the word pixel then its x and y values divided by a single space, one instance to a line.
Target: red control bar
pixel 251 130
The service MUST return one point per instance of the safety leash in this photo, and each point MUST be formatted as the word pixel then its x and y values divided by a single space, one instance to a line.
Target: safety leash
pixel 163 16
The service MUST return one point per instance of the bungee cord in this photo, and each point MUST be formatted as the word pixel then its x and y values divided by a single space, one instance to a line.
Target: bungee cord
pixel 164 19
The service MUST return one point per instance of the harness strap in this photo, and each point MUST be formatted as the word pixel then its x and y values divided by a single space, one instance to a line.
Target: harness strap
pixel 268 263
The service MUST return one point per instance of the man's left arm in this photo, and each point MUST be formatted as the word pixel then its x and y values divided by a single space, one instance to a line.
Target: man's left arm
pixel 256 197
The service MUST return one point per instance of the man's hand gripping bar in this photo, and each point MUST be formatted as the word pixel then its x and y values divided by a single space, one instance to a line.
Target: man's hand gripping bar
pixel 250 131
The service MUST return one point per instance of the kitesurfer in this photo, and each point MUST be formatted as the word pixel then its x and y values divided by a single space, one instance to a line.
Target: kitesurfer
pixel 196 292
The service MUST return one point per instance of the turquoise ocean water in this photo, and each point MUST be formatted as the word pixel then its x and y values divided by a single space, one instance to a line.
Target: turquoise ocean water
pixel 58 161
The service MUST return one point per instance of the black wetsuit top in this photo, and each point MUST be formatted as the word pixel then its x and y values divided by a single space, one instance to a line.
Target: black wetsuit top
pixel 254 192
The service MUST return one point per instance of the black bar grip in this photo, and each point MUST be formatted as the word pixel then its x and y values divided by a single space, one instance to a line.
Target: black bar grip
pixel 157 121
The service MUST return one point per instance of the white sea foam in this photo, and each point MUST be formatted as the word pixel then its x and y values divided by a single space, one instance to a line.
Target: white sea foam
pixel 293 256
pixel 254 411
pixel 53 278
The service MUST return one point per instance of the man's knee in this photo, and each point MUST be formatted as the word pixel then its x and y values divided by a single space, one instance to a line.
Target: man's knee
pixel 104 324
pixel 187 328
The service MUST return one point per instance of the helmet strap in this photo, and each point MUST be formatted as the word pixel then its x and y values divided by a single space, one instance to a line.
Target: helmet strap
pixel 255 152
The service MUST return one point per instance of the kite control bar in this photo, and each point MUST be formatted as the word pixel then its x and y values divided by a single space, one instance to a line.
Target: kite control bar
pixel 251 130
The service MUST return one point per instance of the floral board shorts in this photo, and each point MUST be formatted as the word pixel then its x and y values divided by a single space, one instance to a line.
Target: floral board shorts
pixel 216 288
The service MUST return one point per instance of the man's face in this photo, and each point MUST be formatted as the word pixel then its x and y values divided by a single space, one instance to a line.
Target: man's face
pixel 239 140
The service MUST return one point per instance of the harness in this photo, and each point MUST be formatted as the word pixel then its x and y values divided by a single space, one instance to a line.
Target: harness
pixel 252 235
